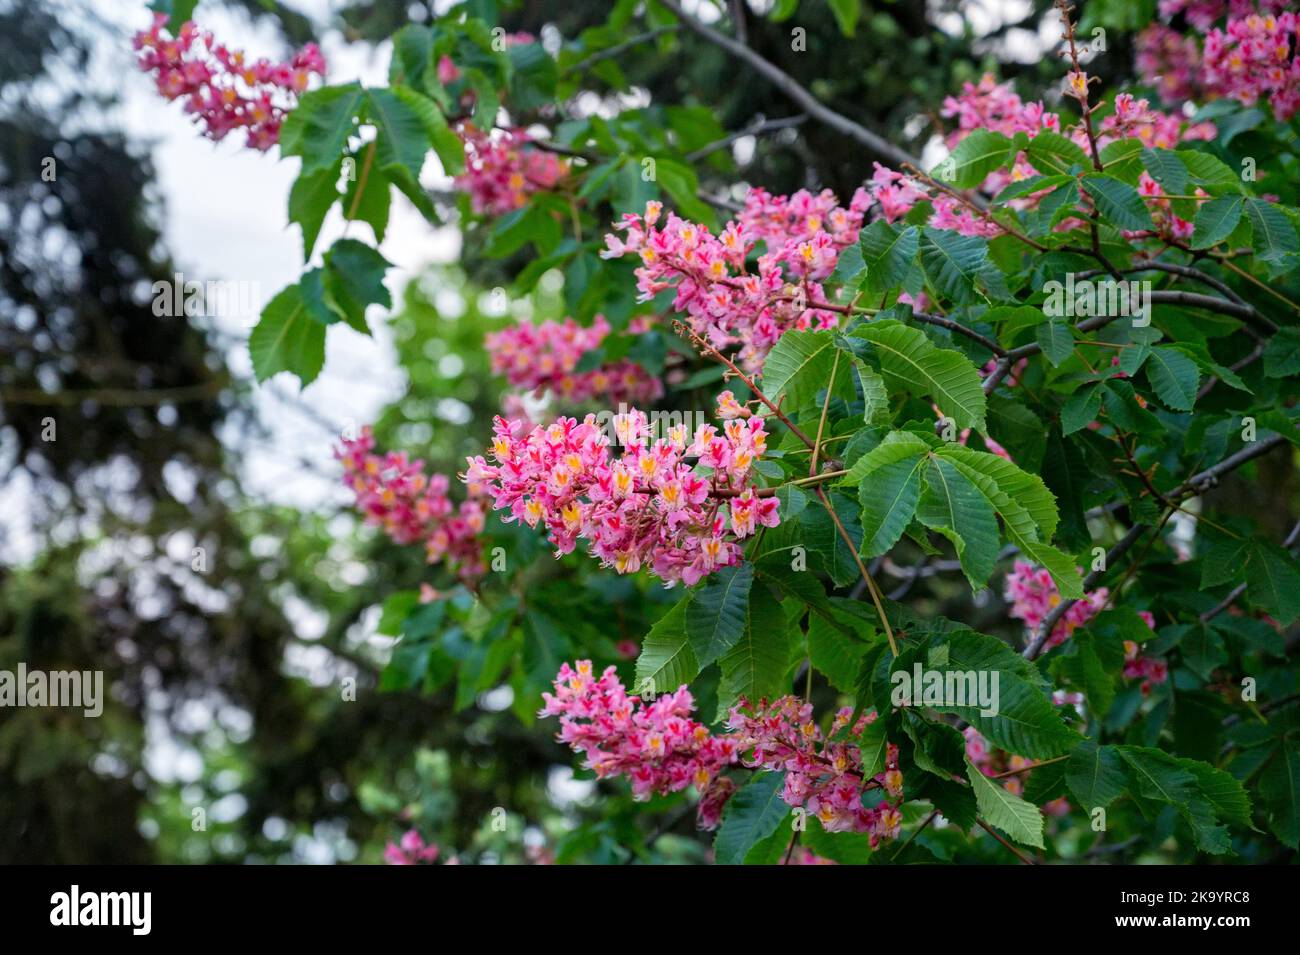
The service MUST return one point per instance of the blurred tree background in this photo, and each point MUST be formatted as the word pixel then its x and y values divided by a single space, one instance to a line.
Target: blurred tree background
pixel 224 626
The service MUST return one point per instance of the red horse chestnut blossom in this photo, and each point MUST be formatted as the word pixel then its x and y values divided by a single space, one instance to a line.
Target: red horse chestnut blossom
pixel 656 745
pixel 644 507
pixel 1253 58
pixel 544 357
pixel 502 169
pixel 394 493
pixel 822 774
pixel 1033 595
pixel 728 299
pixel 220 87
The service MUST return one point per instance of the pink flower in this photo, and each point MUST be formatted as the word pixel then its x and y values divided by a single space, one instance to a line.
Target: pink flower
pixel 394 493
pixel 726 298
pixel 643 505
pixel 219 87
pixel 544 357
pixel 411 850
pixel 502 169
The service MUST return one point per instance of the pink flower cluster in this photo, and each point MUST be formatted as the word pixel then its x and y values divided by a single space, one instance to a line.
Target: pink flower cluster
pixel 220 88
pixel 1202 13
pixel 543 357
pixel 655 744
pixel 1169 61
pixel 643 507
pixel 660 749
pixel 727 299
pixel 411 850
pixel 502 169
pixel 995 106
pixel 1256 57
pixel 822 774
pixel 394 493
pixel 1033 596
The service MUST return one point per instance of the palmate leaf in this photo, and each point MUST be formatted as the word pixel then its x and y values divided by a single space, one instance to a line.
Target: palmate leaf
pixel 1174 376
pixel 752 815
pixel 1020 821
pixel 977 155
pixel 1159 777
pixel 1095 775
pixel 715 617
pixel 287 338
pixel 1274 237
pixel 1026 506
pixel 835 654
pixel 1215 221
pixel 955 508
pixel 960 268
pixel 799 366
pixel 319 127
pixel 310 199
pixel 408 123
pixel 910 361
pixel 888 253
pixel 1118 202
pixel 756 666
pixel 889 489
pixel 1052 153
pixel 667 660
pixel 1026 722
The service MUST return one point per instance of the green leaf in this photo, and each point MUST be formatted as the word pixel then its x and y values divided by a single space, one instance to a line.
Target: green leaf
pixel 1056 339
pixel 368 196
pixel 667 661
pixel 1274 236
pixel 846 14
pixel 1167 169
pixel 955 508
pixel 888 253
pixel 1273 580
pixel 977 155
pixel 1165 779
pixel 889 488
pixel 287 339
pixel 310 200
pixel 834 653
pixel 1215 221
pixel 1209 171
pixel 356 280
pixel 1282 353
pixel 407 123
pixel 1018 820
pixel 319 127
pixel 715 617
pixel 1052 153
pixel 1080 409
pixel 1174 376
pixel 1118 202
pixel 799 366
pixel 873 746
pixel 1279 787
pixel 752 815
pixel 909 360
pixel 1095 775
pixel 756 666
pixel 960 268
